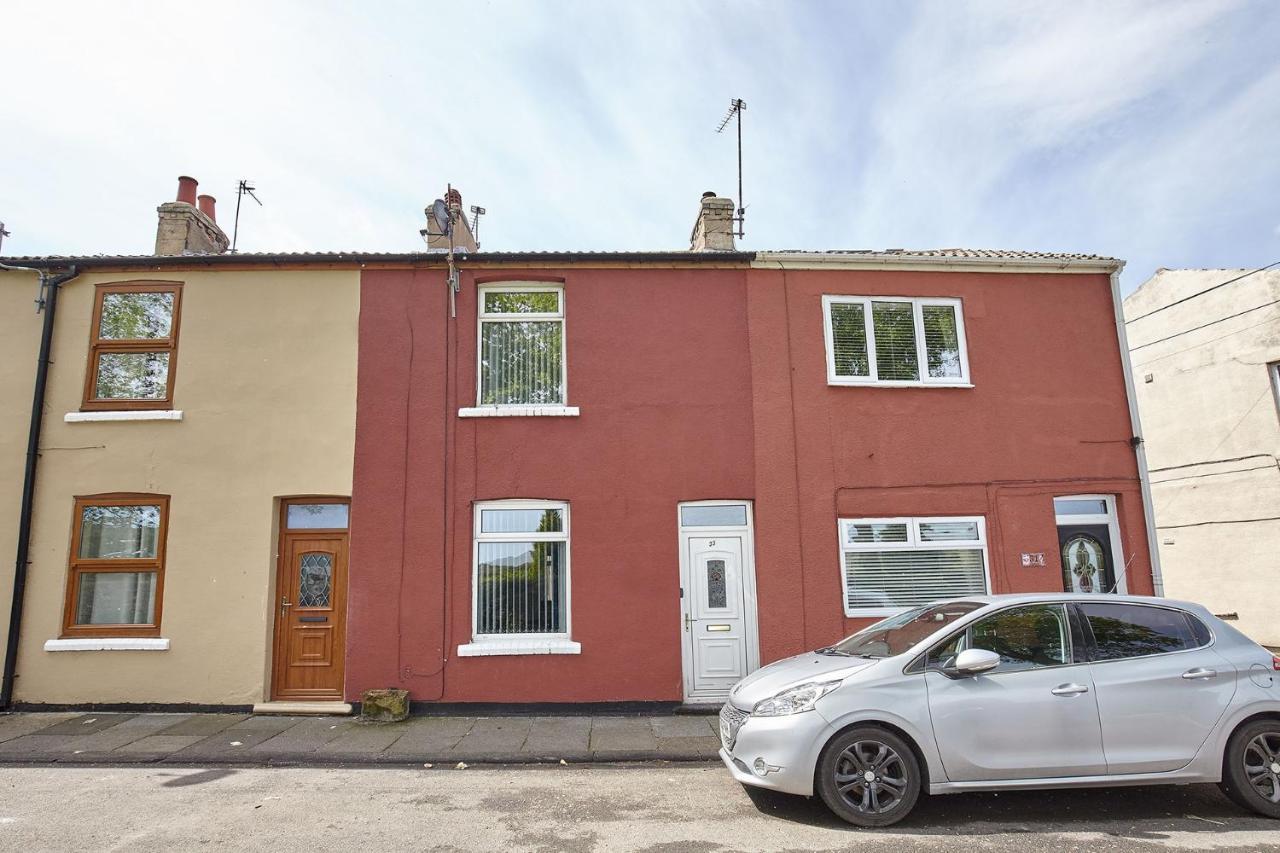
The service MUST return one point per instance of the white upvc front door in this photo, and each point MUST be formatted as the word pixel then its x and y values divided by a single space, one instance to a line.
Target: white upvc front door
pixel 718 613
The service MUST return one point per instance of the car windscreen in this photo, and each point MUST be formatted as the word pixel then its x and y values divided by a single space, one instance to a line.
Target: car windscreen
pixel 901 633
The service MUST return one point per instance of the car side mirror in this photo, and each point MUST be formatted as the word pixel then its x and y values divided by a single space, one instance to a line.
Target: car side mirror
pixel 975 661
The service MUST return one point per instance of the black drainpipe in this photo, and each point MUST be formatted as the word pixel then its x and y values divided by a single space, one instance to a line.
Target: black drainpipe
pixel 48 302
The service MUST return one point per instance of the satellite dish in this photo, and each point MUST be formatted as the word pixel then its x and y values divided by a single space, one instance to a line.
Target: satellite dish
pixel 440 213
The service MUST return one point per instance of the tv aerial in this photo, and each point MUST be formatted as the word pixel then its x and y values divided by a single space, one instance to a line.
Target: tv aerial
pixel 736 108
pixel 244 188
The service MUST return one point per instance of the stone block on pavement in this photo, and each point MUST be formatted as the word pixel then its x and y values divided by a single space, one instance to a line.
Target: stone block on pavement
pixel 384 706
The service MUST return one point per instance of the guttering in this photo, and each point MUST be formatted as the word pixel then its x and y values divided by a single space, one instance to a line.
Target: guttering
pixel 924 262
pixel 49 285
pixel 1139 446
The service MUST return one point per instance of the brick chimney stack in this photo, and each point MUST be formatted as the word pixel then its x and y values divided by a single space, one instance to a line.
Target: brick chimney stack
pixel 713 231
pixel 463 238
pixel 187 226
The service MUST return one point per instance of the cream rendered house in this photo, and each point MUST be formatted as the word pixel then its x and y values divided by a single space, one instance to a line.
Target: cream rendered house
pixel 199 407
pixel 1205 349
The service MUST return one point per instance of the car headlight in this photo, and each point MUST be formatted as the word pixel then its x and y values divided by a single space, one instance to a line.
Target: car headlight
pixel 793 700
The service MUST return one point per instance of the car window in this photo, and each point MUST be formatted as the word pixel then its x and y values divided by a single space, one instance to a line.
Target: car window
pixel 901 633
pixel 1199 631
pixel 1025 638
pixel 1136 630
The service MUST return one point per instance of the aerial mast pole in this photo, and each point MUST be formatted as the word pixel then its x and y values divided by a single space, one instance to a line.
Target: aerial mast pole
pixel 736 108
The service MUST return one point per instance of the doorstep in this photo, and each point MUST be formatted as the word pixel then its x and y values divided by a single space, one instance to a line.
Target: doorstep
pixel 304 709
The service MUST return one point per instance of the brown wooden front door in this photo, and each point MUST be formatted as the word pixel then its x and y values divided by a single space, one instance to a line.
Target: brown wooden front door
pixel 311 602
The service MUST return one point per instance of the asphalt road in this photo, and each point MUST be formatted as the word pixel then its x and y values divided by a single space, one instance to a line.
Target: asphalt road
pixel 635 808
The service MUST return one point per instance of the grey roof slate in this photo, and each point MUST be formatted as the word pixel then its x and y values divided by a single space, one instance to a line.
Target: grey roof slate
pixel 546 255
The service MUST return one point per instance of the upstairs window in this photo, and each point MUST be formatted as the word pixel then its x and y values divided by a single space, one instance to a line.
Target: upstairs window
pixel 893 341
pixel 891 564
pixel 133 346
pixel 521 346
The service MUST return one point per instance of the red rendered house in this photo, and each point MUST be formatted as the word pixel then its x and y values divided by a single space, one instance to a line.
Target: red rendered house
pixel 617 477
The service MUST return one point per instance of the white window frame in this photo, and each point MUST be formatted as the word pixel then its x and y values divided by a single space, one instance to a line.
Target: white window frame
pixel 520 644
pixel 481 408
pixel 1111 519
pixel 917 305
pixel 913 543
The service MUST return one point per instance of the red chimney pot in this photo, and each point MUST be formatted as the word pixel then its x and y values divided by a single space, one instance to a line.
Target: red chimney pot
pixel 206 206
pixel 187 190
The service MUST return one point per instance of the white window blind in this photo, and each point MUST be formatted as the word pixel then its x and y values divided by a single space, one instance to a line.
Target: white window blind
pixel 521 346
pixel 848 323
pixel 894 327
pixel 888 341
pixel 897 563
pixel 521 571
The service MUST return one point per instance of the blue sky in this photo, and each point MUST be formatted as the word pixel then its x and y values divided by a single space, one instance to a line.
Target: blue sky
pixel 1147 131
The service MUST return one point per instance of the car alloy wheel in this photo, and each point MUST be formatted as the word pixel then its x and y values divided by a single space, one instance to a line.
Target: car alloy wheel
pixel 1262 765
pixel 1251 767
pixel 869 777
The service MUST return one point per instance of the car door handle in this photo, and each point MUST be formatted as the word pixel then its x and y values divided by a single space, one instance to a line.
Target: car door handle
pixel 1200 672
pixel 1069 690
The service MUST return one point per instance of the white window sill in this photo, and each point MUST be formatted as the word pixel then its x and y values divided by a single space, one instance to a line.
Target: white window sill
pixel 519 412
pixel 108 644
pixel 851 383
pixel 140 415
pixel 485 648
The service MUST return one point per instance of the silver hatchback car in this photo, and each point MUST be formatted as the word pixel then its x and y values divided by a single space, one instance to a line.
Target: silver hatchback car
pixel 993 693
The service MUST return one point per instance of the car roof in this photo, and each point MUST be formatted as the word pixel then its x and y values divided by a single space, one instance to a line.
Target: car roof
pixel 1087 597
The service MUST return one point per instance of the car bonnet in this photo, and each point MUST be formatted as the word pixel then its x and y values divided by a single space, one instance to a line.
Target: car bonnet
pixel 778 676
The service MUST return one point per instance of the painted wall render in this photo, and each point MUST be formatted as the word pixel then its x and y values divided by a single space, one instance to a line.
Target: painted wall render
pixel 1211 416
pixel 706 384
pixel 266 372
pixel 20 343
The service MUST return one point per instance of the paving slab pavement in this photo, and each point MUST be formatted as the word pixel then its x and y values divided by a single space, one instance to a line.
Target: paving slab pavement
pixel 550 737
pixel 428 736
pixel 16 725
pixel 242 739
pixel 201 724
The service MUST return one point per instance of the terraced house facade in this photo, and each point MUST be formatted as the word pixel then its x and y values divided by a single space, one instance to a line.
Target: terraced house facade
pixel 554 477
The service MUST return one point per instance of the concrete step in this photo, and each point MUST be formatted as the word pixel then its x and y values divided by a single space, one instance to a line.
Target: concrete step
pixel 319 709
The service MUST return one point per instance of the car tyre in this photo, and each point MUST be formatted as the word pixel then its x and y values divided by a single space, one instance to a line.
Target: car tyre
pixel 1249 768
pixel 869 777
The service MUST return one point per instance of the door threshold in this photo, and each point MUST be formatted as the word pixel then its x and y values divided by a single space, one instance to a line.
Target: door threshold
pixel 303 708
pixel 704 706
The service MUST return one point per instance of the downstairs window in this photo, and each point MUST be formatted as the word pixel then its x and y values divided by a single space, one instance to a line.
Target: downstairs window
pixel 892 564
